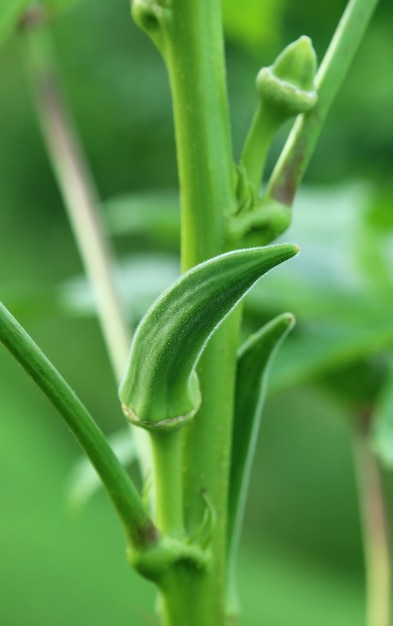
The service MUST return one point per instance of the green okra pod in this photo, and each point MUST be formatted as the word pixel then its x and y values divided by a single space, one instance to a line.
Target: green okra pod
pixel 160 388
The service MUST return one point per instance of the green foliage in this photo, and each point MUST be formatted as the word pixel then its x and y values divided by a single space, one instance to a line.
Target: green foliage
pixel 153 216
pixel 337 290
pixel 339 293
pixel 254 360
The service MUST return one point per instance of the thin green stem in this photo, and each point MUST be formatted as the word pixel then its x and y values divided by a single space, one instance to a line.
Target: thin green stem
pixel 140 531
pixel 263 129
pixel 375 532
pixel 207 451
pixel 166 448
pixel 300 145
pixel 79 194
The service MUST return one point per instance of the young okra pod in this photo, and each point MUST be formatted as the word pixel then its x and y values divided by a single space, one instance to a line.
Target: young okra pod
pixel 160 388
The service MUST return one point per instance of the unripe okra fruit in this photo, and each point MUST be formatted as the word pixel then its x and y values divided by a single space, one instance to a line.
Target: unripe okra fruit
pixel 160 388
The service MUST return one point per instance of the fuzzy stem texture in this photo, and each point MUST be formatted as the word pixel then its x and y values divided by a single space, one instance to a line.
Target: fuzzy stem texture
pixel 193 51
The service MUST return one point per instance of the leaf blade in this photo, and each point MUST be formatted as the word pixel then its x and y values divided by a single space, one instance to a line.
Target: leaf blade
pixel 254 360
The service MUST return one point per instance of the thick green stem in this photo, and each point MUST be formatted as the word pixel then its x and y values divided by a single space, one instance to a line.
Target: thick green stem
pixel 299 148
pixel 193 51
pixel 141 532
pixel 195 60
pixel 186 598
pixel 375 532
pixel 207 452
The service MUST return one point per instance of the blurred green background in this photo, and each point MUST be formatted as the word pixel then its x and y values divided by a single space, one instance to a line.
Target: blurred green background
pixel 301 562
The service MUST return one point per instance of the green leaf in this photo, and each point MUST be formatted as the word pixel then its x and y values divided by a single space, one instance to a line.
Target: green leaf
pixel 161 388
pixel 154 215
pixel 328 280
pixel 316 349
pixel 140 280
pixel 382 422
pixel 340 288
pixel 254 360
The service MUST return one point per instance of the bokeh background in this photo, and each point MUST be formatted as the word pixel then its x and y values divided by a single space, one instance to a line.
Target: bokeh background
pixel 301 560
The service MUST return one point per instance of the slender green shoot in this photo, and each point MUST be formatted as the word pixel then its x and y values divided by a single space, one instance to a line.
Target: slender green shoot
pixel 300 145
pixel 167 454
pixel 140 530
pixel 285 89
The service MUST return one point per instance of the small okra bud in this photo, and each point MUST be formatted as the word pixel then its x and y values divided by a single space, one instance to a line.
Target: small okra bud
pixel 150 16
pixel 287 86
pixel 146 14
pixel 285 89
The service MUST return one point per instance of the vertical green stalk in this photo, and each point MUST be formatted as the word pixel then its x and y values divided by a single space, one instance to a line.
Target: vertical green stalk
pixel 195 60
pixel 186 600
pixel 189 35
pixel 193 51
pixel 261 134
pixel 375 532
pixel 166 450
